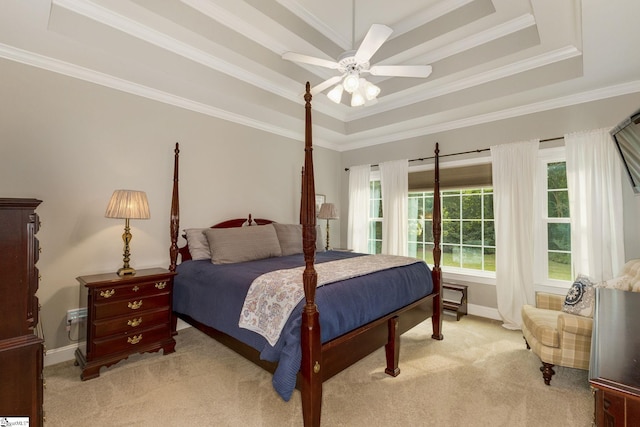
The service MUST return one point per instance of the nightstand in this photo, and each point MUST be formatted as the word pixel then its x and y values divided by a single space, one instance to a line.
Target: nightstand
pixel 125 315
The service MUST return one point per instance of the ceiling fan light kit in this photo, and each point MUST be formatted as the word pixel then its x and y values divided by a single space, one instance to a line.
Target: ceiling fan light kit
pixel 351 64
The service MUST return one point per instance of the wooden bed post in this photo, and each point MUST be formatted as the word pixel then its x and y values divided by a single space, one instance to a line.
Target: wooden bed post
pixel 436 273
pixel 311 387
pixel 175 213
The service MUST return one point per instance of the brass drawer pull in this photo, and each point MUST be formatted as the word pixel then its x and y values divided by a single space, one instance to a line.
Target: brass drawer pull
pixel 107 294
pixel 161 285
pixel 135 288
pixel 134 322
pixel 134 339
pixel 135 305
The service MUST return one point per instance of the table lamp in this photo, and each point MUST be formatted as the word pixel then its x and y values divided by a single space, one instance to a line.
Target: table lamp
pixel 127 204
pixel 328 211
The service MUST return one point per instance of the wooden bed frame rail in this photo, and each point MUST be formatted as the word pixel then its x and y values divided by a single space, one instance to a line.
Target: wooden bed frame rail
pixel 321 361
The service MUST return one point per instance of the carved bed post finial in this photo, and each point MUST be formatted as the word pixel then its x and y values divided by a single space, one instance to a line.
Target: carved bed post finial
pixel 175 213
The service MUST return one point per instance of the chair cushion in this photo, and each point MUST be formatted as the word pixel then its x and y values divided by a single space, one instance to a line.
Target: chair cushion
pixel 542 324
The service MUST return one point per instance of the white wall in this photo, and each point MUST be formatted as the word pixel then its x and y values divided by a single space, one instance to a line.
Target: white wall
pixel 71 143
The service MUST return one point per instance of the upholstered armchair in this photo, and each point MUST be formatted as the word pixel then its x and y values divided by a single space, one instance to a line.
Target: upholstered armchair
pixel 556 337
pixel 562 338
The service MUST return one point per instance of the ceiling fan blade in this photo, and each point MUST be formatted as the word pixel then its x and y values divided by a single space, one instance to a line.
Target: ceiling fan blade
pixel 401 70
pixel 377 35
pixel 325 84
pixel 298 57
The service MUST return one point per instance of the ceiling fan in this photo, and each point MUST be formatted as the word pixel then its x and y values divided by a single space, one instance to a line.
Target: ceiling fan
pixel 351 64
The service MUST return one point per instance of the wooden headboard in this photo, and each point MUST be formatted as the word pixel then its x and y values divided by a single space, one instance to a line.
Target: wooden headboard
pixel 185 255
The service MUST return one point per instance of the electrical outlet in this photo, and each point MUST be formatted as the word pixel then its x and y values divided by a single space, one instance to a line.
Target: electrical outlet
pixel 76 315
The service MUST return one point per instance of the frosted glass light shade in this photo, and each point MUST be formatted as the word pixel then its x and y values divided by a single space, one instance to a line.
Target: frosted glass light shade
pixel 371 91
pixel 335 94
pixel 351 83
pixel 357 99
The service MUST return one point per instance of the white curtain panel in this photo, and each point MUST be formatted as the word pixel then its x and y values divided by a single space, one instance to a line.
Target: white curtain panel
pixel 358 221
pixel 594 179
pixel 514 173
pixel 394 183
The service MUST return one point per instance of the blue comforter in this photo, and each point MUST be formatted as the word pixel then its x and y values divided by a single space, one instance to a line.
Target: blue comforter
pixel 214 295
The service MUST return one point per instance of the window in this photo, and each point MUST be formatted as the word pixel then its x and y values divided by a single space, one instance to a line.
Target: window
pixel 468 238
pixel 468 233
pixel 556 222
pixel 375 218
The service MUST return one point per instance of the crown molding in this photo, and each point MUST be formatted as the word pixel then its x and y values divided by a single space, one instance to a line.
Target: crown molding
pixel 431 90
pixel 92 76
pixel 565 101
pixel 138 30
pixel 102 79
pixel 303 13
pixel 143 32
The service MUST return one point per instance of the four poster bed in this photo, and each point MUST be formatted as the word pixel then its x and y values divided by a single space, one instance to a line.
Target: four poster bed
pixel 359 312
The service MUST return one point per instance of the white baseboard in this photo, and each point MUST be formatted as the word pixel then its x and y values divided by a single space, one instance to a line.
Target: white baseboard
pixel 59 355
pixel 66 353
pixel 482 311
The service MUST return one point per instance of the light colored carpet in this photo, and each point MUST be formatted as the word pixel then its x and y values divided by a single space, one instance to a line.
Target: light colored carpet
pixel 480 375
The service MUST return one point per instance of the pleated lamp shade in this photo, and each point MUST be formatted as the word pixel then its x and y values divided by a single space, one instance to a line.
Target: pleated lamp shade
pixel 128 204
pixel 328 211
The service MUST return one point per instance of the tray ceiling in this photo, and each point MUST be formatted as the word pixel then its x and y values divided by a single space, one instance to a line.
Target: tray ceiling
pixel 492 59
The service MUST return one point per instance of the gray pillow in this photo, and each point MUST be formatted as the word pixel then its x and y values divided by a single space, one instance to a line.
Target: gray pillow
pixel 290 237
pixel 198 244
pixel 231 245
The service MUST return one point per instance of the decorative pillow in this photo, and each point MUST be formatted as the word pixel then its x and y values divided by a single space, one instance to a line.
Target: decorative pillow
pixel 581 297
pixel 290 237
pixel 622 283
pixel 230 245
pixel 198 244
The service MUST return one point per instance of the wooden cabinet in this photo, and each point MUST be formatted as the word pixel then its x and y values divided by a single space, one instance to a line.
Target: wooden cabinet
pixel 21 351
pixel 614 370
pixel 615 406
pixel 125 315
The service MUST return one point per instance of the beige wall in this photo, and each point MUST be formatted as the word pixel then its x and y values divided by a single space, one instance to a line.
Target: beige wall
pixel 548 124
pixel 71 143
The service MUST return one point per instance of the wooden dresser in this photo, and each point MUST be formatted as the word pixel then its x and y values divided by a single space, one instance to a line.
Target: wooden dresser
pixel 125 315
pixel 614 371
pixel 21 351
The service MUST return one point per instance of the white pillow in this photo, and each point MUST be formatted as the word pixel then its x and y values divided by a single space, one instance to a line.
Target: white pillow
pixel 622 283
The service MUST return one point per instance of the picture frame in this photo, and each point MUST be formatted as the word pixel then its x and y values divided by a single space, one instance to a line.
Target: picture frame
pixel 320 199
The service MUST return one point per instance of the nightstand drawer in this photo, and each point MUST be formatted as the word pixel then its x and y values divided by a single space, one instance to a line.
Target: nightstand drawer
pixel 130 342
pixel 134 290
pixel 134 321
pixel 132 306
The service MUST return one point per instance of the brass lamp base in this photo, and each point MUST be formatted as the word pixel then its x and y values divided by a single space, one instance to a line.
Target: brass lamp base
pixel 126 271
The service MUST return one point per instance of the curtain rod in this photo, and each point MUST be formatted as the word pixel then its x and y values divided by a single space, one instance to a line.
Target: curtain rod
pixel 421 159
